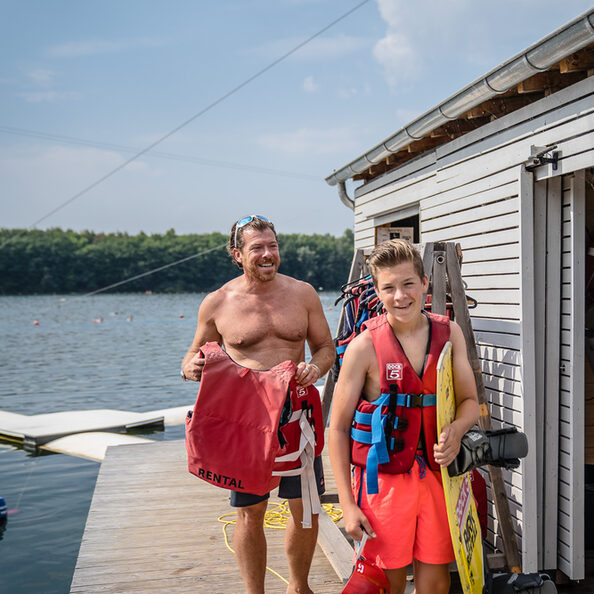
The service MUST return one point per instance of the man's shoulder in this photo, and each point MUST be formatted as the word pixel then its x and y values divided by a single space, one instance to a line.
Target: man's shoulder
pixel 217 297
pixel 288 282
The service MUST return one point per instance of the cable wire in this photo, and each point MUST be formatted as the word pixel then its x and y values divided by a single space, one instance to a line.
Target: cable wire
pixel 132 278
pixel 172 156
pixel 197 115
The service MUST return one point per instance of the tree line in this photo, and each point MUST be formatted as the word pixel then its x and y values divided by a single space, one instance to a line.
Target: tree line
pixel 63 262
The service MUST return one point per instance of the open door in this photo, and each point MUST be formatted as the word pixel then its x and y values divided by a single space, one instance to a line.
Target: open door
pixel 570 541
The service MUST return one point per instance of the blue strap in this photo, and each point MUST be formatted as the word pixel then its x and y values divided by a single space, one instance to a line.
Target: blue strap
pixel 401 400
pixel 422 466
pixel 362 418
pixel 342 348
pixel 371 468
pixel 406 399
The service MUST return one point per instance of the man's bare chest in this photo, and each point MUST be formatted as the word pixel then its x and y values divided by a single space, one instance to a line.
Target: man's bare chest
pixel 248 324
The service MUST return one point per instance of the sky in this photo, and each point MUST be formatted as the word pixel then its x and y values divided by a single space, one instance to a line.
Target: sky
pixel 85 86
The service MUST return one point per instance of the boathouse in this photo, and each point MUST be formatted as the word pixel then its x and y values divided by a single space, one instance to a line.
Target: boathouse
pixel 505 168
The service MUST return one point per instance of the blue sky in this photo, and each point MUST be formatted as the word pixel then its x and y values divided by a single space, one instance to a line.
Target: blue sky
pixel 115 76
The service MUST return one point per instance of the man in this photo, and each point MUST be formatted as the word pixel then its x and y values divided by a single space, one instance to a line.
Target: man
pixel 401 507
pixel 261 319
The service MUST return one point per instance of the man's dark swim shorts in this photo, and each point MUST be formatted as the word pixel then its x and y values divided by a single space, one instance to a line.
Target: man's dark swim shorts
pixel 289 488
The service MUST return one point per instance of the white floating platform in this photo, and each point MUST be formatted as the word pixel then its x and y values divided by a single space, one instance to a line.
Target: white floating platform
pixel 92 446
pixel 36 430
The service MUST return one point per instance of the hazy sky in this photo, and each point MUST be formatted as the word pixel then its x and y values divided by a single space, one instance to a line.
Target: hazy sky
pixel 84 85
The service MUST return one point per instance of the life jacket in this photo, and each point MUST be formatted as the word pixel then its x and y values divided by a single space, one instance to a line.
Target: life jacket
pixel 250 427
pixel 385 433
pixel 360 303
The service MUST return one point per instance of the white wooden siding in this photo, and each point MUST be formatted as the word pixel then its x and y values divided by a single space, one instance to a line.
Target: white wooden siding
pixel 468 191
pixel 570 543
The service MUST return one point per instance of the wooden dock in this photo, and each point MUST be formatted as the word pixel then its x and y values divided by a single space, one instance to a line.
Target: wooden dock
pixel 153 527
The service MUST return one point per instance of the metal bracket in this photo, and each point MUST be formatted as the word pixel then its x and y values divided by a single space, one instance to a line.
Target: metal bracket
pixel 538 157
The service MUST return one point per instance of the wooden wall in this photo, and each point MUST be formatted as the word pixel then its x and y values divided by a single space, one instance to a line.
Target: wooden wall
pixel 468 191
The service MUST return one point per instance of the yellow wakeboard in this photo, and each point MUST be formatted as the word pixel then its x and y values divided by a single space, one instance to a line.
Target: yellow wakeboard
pixel 463 518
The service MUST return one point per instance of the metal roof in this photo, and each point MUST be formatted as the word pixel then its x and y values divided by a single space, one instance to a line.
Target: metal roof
pixel 539 57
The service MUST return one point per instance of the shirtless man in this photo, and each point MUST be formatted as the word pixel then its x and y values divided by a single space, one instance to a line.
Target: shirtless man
pixel 263 318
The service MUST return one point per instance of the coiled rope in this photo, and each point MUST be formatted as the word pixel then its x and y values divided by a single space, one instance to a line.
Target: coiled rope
pixel 276 518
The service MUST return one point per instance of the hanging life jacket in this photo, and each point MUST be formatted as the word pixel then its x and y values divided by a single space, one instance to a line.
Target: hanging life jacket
pixel 249 427
pixel 360 303
pixel 385 433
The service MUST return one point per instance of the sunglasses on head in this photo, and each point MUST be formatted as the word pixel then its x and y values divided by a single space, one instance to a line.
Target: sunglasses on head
pixel 243 222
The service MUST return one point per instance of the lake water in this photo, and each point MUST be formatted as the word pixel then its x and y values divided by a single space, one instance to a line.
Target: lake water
pixel 71 362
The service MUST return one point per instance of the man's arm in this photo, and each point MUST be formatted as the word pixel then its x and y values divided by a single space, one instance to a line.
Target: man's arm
pixel 319 341
pixel 357 360
pixel 206 331
pixel 467 408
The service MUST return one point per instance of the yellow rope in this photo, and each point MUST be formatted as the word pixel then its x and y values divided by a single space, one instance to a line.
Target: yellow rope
pixel 276 518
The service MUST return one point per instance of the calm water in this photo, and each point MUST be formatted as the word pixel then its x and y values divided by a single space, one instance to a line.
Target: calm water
pixel 70 362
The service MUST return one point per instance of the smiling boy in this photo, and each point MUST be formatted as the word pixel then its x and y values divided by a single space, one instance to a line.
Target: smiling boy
pixel 399 501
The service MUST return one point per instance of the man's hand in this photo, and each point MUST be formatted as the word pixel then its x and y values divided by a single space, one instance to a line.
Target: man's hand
pixel 448 445
pixel 307 374
pixel 193 368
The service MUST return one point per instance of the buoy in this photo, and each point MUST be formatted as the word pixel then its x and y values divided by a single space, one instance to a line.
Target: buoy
pixel 181 315
pixel 35 322
pixel 330 308
pixel 129 319
pixel 3 508
pixel 148 292
pixel 97 320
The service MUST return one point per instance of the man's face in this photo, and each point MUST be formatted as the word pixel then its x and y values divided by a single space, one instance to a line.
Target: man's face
pixel 259 255
pixel 401 291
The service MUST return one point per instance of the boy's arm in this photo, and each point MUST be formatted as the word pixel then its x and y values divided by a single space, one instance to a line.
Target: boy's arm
pixel 467 408
pixel 348 390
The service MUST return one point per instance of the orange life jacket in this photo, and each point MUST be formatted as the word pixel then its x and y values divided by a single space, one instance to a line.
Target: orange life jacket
pixel 386 432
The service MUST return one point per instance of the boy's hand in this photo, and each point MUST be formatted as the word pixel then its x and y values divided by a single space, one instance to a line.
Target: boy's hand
pixel 355 522
pixel 448 445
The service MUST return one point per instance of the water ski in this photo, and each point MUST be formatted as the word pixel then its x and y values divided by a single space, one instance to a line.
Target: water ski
pixel 462 514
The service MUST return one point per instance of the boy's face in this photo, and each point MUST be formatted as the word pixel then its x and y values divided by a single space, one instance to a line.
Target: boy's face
pixel 401 291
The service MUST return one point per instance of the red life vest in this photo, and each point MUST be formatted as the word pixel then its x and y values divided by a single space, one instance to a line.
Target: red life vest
pixel 235 436
pixel 386 432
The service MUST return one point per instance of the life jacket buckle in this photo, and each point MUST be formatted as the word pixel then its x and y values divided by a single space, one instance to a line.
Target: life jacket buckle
pixel 414 400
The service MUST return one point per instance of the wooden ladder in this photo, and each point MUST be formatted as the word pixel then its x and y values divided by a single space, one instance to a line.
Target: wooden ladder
pixel 441 261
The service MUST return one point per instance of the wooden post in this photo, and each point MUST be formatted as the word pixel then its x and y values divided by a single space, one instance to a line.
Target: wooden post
pixel 462 316
pixel 356 270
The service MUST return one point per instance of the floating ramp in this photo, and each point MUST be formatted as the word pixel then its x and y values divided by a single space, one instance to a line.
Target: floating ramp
pixel 36 430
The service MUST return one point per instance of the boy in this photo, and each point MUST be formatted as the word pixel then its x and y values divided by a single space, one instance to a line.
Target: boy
pixel 401 507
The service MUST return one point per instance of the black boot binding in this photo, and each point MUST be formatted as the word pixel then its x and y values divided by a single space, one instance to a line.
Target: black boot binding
pixel 501 447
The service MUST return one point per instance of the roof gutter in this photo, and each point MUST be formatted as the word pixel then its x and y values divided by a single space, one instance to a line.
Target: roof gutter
pixel 540 57
pixel 344 197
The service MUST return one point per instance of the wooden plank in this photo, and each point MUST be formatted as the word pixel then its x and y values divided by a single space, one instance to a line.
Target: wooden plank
pixel 336 547
pixel 574 433
pixel 551 393
pixel 463 318
pixel 528 365
pixel 479 212
pixel 153 527
pixel 468 202
pixel 438 279
pixel 462 230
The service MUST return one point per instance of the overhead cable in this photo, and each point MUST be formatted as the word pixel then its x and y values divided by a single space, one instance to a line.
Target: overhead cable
pixel 172 156
pixel 198 114
pixel 132 278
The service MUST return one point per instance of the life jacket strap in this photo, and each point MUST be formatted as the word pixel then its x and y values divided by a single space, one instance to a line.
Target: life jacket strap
pixel 306 453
